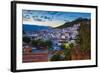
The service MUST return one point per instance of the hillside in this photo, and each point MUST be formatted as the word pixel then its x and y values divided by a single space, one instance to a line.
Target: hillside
pixel 69 24
pixel 84 36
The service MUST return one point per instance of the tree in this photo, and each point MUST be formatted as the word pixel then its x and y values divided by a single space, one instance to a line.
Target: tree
pixel 56 57
pixel 26 39
pixel 67 50
pixel 85 36
pixel 65 45
pixel 34 43
pixel 71 45
pixel 48 43
pixel 41 43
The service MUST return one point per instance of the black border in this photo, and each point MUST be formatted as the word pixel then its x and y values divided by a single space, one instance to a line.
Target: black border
pixel 13 35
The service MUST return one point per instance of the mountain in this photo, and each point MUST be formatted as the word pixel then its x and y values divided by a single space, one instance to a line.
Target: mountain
pixel 27 27
pixel 70 24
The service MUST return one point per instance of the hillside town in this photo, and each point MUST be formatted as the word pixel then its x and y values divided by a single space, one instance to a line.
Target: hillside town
pixel 57 36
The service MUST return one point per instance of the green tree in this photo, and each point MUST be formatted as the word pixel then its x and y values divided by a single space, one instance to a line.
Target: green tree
pixel 56 57
pixel 71 45
pixel 34 43
pixel 48 43
pixel 42 43
pixel 85 36
pixel 67 50
pixel 26 39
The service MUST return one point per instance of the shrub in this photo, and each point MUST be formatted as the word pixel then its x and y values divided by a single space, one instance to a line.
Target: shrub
pixel 56 57
pixel 67 50
pixel 26 39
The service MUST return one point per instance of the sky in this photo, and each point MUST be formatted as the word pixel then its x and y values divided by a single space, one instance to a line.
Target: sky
pixel 51 18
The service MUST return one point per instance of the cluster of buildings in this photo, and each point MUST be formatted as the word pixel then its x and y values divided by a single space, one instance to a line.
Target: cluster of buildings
pixel 57 36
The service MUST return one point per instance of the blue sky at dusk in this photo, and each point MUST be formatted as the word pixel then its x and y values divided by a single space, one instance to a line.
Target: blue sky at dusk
pixel 51 18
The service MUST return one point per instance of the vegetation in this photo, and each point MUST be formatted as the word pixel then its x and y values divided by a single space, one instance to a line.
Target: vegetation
pixel 67 50
pixel 71 45
pixel 26 39
pixel 67 53
pixel 48 43
pixel 84 39
pixel 56 57
pixel 34 43
pixel 39 42
pixel 83 42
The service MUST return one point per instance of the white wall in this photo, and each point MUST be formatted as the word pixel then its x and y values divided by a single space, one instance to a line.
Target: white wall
pixel 5 36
